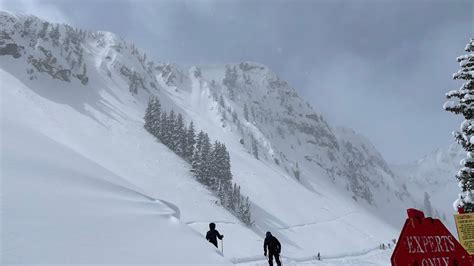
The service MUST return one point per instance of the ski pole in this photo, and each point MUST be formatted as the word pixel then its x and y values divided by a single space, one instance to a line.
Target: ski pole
pixel 222 246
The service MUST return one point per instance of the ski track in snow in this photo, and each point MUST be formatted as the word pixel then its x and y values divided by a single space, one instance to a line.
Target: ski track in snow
pixel 318 222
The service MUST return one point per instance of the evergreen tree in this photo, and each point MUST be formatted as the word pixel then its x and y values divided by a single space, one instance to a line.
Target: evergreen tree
pixel 163 132
pixel 205 169
pixel 210 163
pixel 179 140
pixel 218 164
pixel 171 134
pixel 238 198
pixel 197 161
pixel 461 101
pixel 232 198
pixel 190 141
pixel 297 172
pixel 221 192
pixel 254 147
pixel 247 217
pixel 44 31
pixel 55 35
pixel 149 115
pixel 156 114
pixel 221 102
pixel 197 72
pixel 226 173
pixel 230 81
pixel 241 208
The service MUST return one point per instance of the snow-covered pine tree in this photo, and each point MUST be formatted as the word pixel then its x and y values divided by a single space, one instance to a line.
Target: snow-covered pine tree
pixel 163 132
pixel 221 102
pixel 210 164
pixel 190 141
pixel 427 205
pixel 241 207
pixel 461 101
pixel 232 198
pixel 149 115
pixel 201 160
pixel 156 114
pixel 171 135
pixel 230 80
pixel 239 199
pixel 214 167
pixel 254 147
pixel 247 217
pixel 221 192
pixel 197 72
pixel 296 171
pixel 179 136
pixel 196 160
pixel 204 170
pixel 226 173
pixel 43 31
pixel 55 35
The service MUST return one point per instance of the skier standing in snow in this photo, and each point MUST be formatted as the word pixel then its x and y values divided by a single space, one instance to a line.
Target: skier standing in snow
pixel 274 248
pixel 213 234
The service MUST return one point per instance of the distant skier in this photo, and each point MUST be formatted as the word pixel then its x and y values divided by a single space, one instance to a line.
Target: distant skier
pixel 274 249
pixel 213 234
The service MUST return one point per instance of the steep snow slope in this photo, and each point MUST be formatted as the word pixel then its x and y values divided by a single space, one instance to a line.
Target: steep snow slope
pixel 63 208
pixel 87 93
pixel 435 174
pixel 295 138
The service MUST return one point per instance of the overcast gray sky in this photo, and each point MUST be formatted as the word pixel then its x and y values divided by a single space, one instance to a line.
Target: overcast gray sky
pixel 379 67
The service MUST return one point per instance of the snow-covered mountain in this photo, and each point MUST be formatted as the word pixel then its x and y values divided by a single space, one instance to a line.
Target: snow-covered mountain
pixel 73 103
pixel 435 175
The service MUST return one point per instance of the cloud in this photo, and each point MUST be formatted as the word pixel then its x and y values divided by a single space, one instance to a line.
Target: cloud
pixel 45 10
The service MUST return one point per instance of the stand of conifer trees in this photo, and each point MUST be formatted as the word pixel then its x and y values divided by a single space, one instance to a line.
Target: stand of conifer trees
pixel 210 162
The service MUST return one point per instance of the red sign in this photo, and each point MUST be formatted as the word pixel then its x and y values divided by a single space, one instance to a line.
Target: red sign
pixel 427 242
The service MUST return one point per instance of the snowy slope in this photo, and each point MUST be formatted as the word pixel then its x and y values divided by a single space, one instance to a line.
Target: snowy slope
pixel 83 95
pixel 61 207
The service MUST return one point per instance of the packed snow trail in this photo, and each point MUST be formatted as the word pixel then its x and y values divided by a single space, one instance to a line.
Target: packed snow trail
pixel 375 257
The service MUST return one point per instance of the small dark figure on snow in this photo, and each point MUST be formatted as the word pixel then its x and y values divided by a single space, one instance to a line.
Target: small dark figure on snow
pixel 274 248
pixel 319 256
pixel 213 234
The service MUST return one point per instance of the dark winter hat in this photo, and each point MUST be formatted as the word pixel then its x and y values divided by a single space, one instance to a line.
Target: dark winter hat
pixel 269 234
pixel 212 225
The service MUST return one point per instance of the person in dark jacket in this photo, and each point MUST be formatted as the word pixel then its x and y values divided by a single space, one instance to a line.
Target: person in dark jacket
pixel 213 234
pixel 274 248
